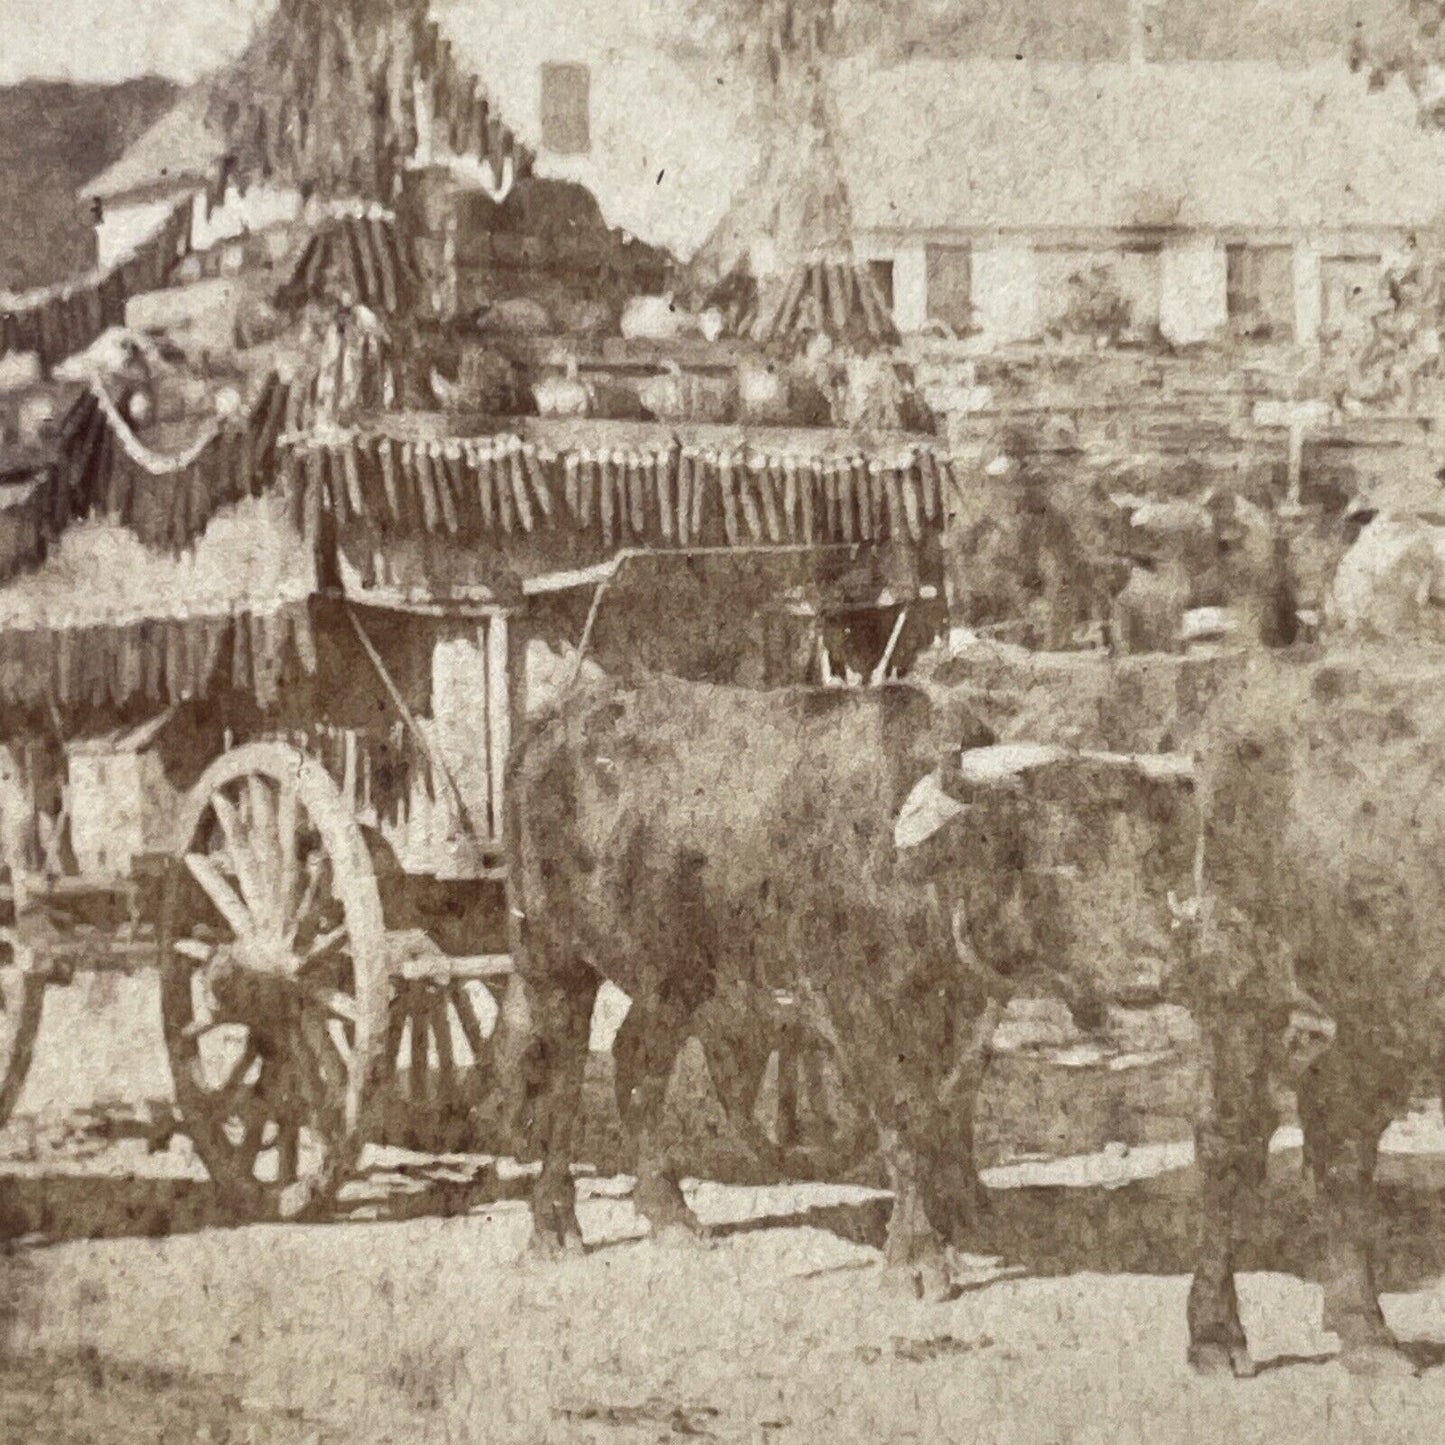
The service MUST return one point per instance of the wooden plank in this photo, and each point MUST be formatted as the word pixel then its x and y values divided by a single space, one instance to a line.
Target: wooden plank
pixel 442 968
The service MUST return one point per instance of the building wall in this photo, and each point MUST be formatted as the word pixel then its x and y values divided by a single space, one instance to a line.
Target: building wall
pixel 668 149
pixel 1308 293
pixel 1018 286
pixel 1006 291
pixel 123 227
pixel 1193 285
pixel 259 207
pixel 1131 274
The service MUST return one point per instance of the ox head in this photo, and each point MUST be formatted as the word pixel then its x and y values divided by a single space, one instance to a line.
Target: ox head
pixel 1053 867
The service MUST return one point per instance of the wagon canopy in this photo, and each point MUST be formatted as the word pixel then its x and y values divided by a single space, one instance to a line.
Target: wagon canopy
pixel 107 620
pixel 136 575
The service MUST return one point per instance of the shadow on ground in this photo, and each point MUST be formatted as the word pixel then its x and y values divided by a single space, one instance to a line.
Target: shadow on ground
pixel 1141 1228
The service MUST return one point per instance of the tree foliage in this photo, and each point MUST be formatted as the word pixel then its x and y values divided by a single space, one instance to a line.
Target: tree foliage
pixel 1406 39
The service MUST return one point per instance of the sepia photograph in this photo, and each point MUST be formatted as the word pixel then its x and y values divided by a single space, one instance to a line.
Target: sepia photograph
pixel 717 719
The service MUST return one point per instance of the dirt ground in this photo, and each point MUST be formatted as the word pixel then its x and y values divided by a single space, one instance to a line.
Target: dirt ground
pixel 440 1327
pixel 132 1312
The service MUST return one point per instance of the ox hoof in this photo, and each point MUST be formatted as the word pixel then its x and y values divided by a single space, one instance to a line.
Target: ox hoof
pixel 681 1235
pixel 1222 1361
pixel 928 1279
pixel 555 1241
pixel 550 1246
pixel 1378 1362
pixel 661 1204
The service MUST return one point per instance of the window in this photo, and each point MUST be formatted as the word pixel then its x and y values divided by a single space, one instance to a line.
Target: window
pixel 950 286
pixel 566 109
pixel 882 274
pixel 1260 291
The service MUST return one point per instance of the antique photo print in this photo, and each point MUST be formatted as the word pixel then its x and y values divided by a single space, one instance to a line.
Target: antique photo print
pixel 718 718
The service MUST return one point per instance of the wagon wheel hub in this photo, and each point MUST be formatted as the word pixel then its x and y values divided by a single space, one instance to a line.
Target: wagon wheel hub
pixel 248 982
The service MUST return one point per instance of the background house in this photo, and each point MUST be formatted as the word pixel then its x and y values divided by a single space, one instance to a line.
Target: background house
pixel 181 154
pixel 621 98
pixel 1237 195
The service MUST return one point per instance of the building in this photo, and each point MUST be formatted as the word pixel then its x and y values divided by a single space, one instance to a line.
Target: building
pixel 992 196
pixel 181 154
pixel 1235 195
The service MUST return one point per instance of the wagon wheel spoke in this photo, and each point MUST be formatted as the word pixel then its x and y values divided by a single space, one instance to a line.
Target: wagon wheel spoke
pixel 288 1149
pixel 419 1080
pixel 316 867
pixel 324 943
pixel 471 1025
pixel 396 1025
pixel 786 1127
pixel 199 1028
pixel 239 850
pixel 322 1068
pixel 203 869
pixel 441 1032
pixel 265 845
pixel 248 1151
pixel 287 823
pixel 294 1111
pixel 330 1001
pixel 235 1079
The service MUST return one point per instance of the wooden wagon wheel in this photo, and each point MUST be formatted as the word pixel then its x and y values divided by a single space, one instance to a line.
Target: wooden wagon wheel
pixel 803 1109
pixel 22 995
pixel 446 1060
pixel 274 980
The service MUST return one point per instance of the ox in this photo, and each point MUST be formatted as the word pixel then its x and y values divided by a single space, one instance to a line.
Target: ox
pixel 683 840
pixel 1312 946
pixel 1318 780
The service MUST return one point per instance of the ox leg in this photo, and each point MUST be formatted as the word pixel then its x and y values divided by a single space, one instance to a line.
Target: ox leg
pixel 644 1053
pixel 915 1260
pixel 918 1062
pixel 738 1050
pixel 553 1068
pixel 1231 1143
pixel 914 1254
pixel 1343 1113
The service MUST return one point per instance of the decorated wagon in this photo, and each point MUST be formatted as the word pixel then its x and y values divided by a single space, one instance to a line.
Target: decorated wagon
pixel 258 701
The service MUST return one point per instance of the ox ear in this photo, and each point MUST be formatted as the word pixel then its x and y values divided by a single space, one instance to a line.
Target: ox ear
pixel 926 811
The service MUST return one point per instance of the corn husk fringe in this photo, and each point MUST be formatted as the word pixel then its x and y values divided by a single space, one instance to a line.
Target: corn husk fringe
pixel 473 488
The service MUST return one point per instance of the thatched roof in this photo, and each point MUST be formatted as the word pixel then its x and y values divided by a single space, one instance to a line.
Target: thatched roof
pixel 180 152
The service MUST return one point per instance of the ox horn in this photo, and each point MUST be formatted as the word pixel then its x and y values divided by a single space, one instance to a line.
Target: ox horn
pixel 925 812
pixel 498 188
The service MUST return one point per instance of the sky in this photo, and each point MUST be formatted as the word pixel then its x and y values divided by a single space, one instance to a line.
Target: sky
pixel 109 40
